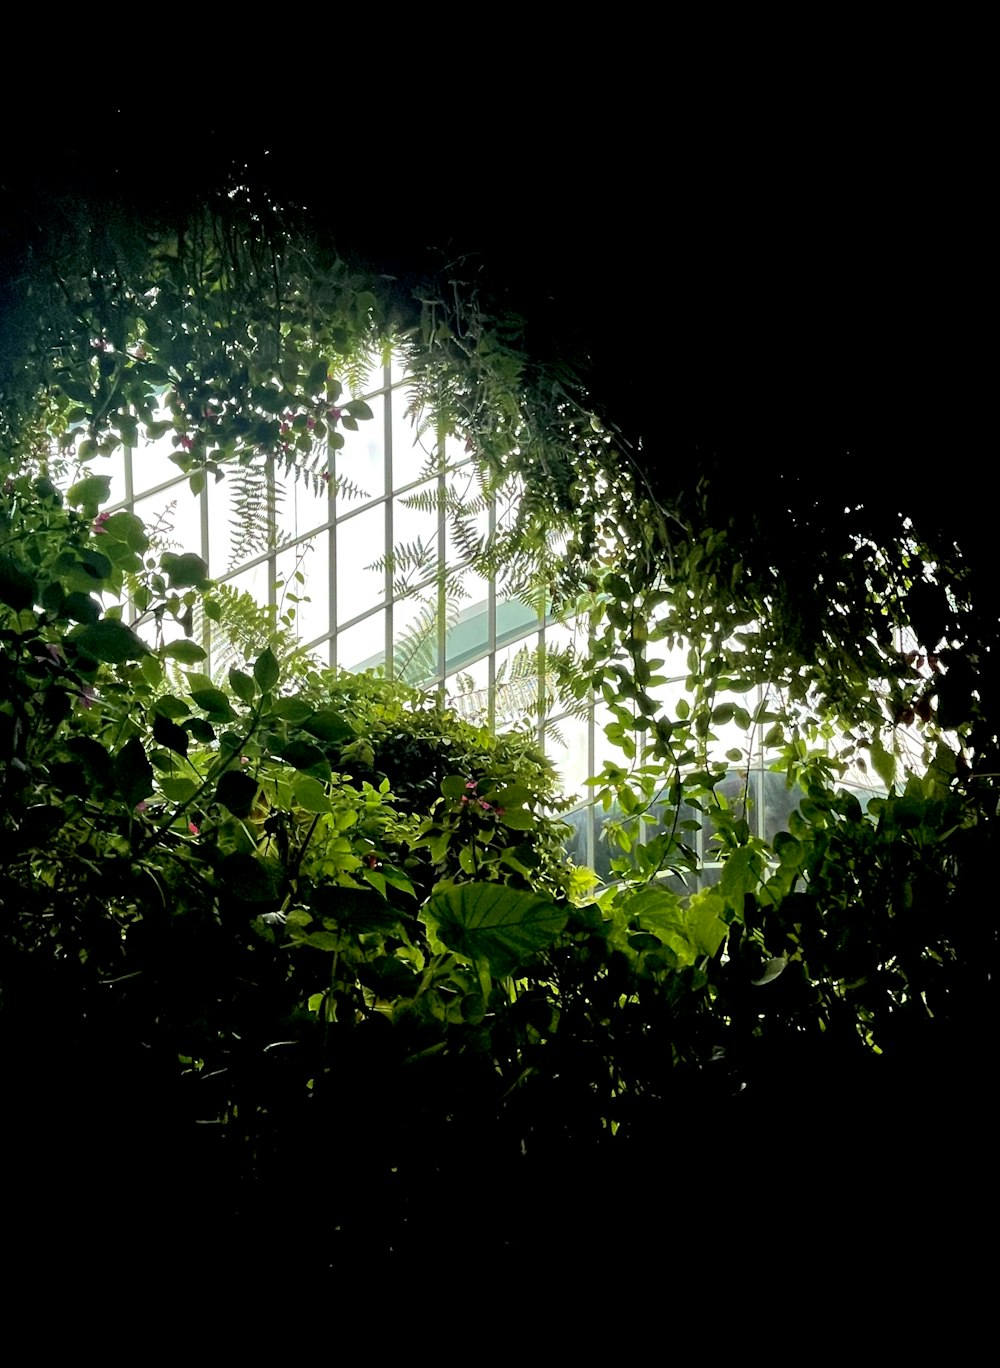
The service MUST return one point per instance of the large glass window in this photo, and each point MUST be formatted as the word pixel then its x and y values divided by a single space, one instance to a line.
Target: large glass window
pixel 365 554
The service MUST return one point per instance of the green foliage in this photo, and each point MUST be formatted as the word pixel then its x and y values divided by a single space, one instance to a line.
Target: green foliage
pixel 287 895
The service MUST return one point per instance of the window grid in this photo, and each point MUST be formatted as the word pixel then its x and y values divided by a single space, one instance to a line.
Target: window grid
pixel 403 472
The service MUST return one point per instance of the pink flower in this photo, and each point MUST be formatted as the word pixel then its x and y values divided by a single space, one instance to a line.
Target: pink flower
pixel 193 829
pixel 333 414
pixel 99 521
pixel 141 805
pixel 187 443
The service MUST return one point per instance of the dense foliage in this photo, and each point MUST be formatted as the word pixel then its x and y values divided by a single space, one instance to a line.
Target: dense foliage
pixel 294 936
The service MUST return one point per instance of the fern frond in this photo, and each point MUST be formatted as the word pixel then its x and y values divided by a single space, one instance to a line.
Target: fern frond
pixel 406 558
pixel 250 512
pixel 242 631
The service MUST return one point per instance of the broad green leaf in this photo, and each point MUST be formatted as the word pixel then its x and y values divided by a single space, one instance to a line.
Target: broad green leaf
pixel 883 763
pixel 493 922
pixel 738 875
pixel 291 710
pixel 167 733
pixel 177 788
pixel 127 528
pixel 200 729
pixel 236 791
pixel 705 918
pixel 110 641
pixel 215 703
pixel 81 608
pixel 90 493
pixel 517 819
pixel 266 671
pixel 18 589
pixel 186 572
pixel 322 940
pixel 242 685
pixel 310 794
pixel 306 757
pixel 788 850
pixel 328 726
pixel 187 652
pixel 133 772
pixel 171 707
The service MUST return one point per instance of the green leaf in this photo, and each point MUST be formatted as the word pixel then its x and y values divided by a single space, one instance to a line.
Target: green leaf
pixel 291 710
pixel 307 757
pixel 266 671
pixel 659 911
pixel 18 589
pixel 770 970
pixel 705 918
pixel 133 772
pixel 90 493
pixel 186 572
pixel 187 652
pixel 236 791
pixel 883 763
pixel 213 702
pixel 110 641
pixel 242 685
pixel 127 528
pixel 493 922
pixel 81 608
pixel 739 876
pixel 200 729
pixel 178 790
pixel 517 819
pixel 171 707
pixel 328 726
pixel 167 733
pixel 310 794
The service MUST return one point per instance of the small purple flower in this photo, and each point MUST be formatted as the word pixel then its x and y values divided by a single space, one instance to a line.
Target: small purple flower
pixel 98 524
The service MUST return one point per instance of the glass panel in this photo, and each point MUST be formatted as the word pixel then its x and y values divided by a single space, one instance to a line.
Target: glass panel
pixel 173 520
pixel 152 466
pixel 414 520
pixel 415 637
pixel 468 693
pixel 469 628
pixel 360 543
pixel 413 451
pixel 360 463
pixel 362 647
pixel 566 745
pixel 311 614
